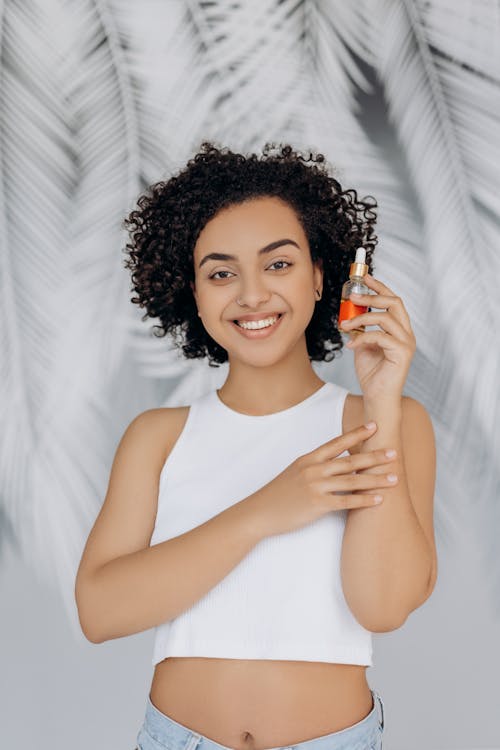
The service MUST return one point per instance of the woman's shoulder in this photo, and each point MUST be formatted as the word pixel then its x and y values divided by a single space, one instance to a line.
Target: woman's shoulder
pixel 162 426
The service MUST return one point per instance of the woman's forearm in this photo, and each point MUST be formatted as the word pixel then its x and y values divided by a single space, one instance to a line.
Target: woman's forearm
pixel 140 590
pixel 386 559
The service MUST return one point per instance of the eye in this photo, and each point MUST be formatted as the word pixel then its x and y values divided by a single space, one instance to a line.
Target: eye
pixel 214 275
pixel 281 261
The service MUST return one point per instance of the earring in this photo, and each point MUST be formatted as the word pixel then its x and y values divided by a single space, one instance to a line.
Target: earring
pixel 318 293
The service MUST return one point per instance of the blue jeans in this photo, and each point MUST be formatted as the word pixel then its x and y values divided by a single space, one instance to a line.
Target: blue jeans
pixel 160 732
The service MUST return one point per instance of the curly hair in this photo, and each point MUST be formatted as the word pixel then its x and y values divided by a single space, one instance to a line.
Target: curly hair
pixel 171 214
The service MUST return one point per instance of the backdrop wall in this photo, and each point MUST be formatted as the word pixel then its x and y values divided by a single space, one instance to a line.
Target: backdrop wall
pixel 100 99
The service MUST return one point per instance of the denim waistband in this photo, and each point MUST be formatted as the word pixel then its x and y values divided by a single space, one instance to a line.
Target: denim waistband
pixel 160 730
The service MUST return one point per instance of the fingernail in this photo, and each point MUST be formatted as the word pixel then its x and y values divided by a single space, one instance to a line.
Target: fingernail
pixel 371 425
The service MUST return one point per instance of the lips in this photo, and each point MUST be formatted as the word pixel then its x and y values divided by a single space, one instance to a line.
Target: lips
pixel 259 333
pixel 275 318
pixel 256 316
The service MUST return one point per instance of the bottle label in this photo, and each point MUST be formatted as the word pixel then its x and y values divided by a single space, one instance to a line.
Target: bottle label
pixel 349 310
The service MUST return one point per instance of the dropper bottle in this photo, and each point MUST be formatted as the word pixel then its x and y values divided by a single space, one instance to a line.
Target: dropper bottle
pixel 356 284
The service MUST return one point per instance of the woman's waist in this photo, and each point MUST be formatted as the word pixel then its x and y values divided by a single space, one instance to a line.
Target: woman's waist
pixel 260 703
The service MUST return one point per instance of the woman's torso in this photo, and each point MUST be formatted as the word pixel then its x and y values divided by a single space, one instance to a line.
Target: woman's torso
pixel 256 704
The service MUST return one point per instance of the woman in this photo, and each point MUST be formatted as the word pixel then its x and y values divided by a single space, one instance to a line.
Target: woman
pixel 244 527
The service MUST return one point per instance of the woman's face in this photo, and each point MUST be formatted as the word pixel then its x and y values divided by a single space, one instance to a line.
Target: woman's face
pixel 233 279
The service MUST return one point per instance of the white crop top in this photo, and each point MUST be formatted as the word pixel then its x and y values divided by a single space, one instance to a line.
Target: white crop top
pixel 284 599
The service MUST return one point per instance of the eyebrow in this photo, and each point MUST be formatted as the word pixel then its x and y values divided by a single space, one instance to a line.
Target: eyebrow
pixel 266 249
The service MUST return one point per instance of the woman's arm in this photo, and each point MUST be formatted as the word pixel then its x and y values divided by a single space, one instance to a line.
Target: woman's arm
pixel 389 562
pixel 123 585
pixel 145 588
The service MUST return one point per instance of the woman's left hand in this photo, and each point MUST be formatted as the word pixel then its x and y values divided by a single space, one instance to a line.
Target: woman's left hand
pixel 381 358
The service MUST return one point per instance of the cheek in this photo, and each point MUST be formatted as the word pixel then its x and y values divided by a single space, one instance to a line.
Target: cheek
pixel 302 292
pixel 212 306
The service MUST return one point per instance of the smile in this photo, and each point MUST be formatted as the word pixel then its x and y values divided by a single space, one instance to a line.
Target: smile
pixel 258 329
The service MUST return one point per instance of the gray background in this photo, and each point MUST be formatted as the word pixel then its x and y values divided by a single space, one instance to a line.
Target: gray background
pixel 142 84
pixel 437 675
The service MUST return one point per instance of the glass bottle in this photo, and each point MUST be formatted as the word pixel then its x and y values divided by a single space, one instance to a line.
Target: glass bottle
pixel 355 283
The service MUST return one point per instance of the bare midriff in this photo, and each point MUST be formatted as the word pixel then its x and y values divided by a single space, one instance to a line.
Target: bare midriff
pixel 259 704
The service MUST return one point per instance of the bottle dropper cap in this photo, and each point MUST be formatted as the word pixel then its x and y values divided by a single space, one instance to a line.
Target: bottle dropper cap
pixel 359 267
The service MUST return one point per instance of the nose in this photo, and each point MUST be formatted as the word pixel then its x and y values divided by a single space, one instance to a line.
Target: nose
pixel 253 293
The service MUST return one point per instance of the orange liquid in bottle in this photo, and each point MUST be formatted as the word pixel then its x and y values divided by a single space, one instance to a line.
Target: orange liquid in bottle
pixel 349 310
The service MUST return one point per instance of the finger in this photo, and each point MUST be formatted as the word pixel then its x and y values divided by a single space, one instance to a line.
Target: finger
pixel 384 302
pixel 385 320
pixel 386 342
pixel 356 462
pixel 359 482
pixel 378 285
pixel 391 346
pixel 382 291
pixel 388 304
pixel 343 502
pixel 380 301
pixel 340 443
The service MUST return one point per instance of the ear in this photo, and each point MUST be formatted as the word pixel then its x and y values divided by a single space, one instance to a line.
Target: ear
pixel 193 289
pixel 318 274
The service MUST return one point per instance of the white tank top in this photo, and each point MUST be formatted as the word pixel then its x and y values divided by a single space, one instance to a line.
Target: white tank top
pixel 284 599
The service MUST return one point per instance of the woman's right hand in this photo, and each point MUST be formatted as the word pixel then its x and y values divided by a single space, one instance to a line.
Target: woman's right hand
pixel 308 488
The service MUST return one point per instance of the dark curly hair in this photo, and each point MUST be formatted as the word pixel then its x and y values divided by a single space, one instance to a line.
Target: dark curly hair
pixel 171 215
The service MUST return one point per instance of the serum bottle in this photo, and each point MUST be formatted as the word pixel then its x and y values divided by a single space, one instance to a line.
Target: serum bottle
pixel 355 283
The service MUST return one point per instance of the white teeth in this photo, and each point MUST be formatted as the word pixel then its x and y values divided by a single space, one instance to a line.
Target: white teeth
pixel 257 323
